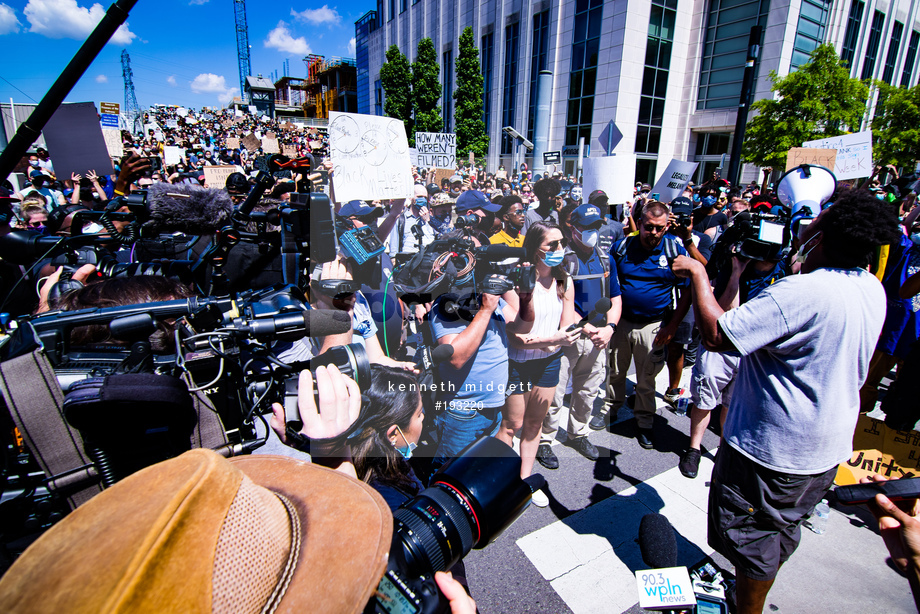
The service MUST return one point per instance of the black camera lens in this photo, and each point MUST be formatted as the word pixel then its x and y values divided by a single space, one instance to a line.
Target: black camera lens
pixel 471 500
pixel 466 221
pixel 350 359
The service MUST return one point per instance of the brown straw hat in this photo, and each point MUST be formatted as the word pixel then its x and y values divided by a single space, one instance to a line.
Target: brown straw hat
pixel 199 533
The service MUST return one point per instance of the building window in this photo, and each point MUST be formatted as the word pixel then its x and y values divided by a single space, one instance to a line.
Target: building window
pixel 655 78
pixel 378 98
pixel 509 94
pixel 910 59
pixel 586 38
pixel 363 29
pixel 403 5
pixel 850 38
pixel 447 88
pixel 711 149
pixel 487 58
pixel 810 32
pixel 875 38
pixel 897 30
pixel 728 29
pixel 538 57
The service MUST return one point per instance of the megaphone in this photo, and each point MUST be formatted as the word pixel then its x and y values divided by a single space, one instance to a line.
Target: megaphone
pixel 805 188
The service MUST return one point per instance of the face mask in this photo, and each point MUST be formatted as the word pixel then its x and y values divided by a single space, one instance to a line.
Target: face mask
pixel 407 451
pixel 96 195
pixel 803 253
pixel 421 202
pixel 33 163
pixel 588 237
pixel 696 198
pixel 709 201
pixel 880 196
pixel 576 194
pixel 552 259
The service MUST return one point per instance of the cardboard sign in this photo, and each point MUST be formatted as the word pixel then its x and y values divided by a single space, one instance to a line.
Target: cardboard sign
pixel 854 154
pixel 113 142
pixel 879 449
pixel 226 123
pixel 674 179
pixel 233 142
pixel 436 149
pixel 75 141
pixel 441 174
pixel 808 155
pixel 110 108
pixel 289 150
pixel 370 157
pixel 251 142
pixel 270 135
pixel 270 145
pixel 216 176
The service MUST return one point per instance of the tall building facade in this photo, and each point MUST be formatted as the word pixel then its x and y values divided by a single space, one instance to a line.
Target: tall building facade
pixel 667 72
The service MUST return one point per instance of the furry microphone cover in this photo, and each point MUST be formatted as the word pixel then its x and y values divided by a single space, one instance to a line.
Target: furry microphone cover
pixel 187 208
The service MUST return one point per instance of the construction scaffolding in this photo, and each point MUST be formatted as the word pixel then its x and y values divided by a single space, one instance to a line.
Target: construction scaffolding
pixel 331 85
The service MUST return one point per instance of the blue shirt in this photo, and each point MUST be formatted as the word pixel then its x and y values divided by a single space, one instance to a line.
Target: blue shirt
pixel 599 283
pixel 482 381
pixel 646 279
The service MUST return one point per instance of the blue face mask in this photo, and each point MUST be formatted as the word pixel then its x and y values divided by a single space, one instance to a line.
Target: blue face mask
pixel 696 198
pixel 552 259
pixel 406 452
pixel 709 201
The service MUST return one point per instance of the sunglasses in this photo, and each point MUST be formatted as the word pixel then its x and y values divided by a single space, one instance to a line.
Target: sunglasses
pixel 36 224
pixel 654 227
pixel 554 245
pixel 516 212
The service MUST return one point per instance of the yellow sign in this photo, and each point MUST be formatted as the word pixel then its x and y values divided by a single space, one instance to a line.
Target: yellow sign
pixel 806 155
pixel 880 449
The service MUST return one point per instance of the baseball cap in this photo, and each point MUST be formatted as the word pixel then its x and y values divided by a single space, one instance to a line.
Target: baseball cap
pixel 681 204
pixel 433 189
pixel 360 209
pixel 587 216
pixel 203 533
pixel 598 197
pixel 456 179
pixel 474 199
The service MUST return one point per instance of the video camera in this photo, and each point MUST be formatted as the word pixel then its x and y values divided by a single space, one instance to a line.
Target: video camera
pixel 755 236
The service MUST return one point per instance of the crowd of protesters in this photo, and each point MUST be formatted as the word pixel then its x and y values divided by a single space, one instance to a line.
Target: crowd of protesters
pixel 523 356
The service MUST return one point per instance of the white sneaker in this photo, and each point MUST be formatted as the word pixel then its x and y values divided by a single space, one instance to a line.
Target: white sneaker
pixel 539 499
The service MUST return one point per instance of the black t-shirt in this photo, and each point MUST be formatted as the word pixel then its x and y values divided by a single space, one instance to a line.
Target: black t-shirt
pixel 716 219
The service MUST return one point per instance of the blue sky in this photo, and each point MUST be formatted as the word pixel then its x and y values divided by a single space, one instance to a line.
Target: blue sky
pixel 182 51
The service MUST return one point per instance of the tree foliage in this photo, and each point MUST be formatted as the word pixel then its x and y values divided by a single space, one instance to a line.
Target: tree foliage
pixel 471 130
pixel 396 80
pixel 896 126
pixel 426 88
pixel 818 100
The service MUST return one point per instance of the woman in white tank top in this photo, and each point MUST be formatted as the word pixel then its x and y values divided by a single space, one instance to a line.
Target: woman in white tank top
pixel 536 340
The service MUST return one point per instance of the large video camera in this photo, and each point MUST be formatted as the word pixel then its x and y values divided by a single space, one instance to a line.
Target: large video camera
pixel 754 236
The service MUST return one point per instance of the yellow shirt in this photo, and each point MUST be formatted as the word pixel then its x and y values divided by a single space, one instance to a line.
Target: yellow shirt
pixel 503 237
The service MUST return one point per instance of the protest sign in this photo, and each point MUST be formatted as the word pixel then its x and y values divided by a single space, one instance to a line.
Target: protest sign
pixel 172 154
pixel 606 173
pixel 172 123
pixel 265 119
pixel 251 142
pixel 252 110
pixel 441 174
pixel 226 123
pixel 808 155
pixel 113 142
pixel 289 150
pixel 879 449
pixel 413 156
pixel 436 149
pixel 674 179
pixel 75 140
pixel 370 157
pixel 238 113
pixel 216 176
pixel 191 121
pixel 182 112
pixel 270 146
pixel 854 153
pixel 233 142
pixel 270 135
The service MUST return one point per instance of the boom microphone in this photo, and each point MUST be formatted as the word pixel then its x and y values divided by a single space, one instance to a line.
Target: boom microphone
pixel 25 246
pixel 187 208
pixel 657 542
pixel 601 307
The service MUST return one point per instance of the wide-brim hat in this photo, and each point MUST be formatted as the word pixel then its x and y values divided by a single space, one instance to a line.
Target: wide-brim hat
pixel 199 533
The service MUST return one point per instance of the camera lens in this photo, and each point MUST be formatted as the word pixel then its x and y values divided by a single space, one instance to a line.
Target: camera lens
pixel 472 499
pixel 350 359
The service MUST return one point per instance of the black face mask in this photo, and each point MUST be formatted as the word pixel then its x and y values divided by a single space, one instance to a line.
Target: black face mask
pixel 38 183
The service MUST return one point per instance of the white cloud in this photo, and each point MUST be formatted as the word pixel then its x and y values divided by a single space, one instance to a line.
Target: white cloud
pixel 66 19
pixel 209 83
pixel 171 80
pixel 281 39
pixel 102 79
pixel 8 21
pixel 352 46
pixel 322 15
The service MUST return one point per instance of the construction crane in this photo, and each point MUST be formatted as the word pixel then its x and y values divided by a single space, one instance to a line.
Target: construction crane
pixel 242 44
pixel 132 109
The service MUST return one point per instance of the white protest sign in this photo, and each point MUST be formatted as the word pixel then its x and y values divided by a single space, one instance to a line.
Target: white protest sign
pixel 854 153
pixel 172 154
pixel 216 176
pixel 370 157
pixel 182 112
pixel 664 589
pixel 270 145
pixel 113 142
pixel 436 149
pixel 172 123
pixel 674 179
pixel 191 120
pixel 252 110
pixel 413 156
pixel 612 174
pixel 238 113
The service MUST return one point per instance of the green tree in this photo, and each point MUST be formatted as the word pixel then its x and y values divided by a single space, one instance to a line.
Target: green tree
pixel 896 126
pixel 396 80
pixel 471 130
pixel 818 100
pixel 426 88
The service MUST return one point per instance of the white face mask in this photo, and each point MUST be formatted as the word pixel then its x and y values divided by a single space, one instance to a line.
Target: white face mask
pixel 803 253
pixel 588 237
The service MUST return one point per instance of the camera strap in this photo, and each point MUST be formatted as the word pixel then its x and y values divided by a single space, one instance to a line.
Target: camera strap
pixel 36 402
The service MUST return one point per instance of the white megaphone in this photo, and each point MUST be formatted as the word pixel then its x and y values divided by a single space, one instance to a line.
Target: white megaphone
pixel 805 188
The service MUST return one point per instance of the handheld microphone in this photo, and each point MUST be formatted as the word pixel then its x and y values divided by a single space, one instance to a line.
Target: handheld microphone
pixel 428 358
pixel 601 307
pixel 657 542
pixel 187 208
